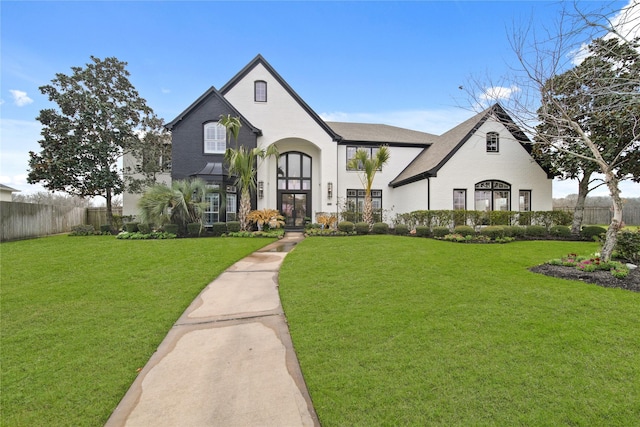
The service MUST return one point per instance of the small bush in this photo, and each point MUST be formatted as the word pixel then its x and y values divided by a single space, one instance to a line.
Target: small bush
pixel 592 232
pixel 362 227
pixel 131 227
pixel 233 226
pixel 536 231
pixel 345 226
pixel 401 230
pixel 628 246
pixel 144 228
pixel 464 230
pixel 194 229
pixel 171 228
pixel 82 230
pixel 440 231
pixel 105 229
pixel 560 231
pixel 514 231
pixel 380 228
pixel 423 231
pixel 493 232
pixel 218 228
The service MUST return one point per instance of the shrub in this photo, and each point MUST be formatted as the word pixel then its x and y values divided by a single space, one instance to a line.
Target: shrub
pixel 464 230
pixel 362 227
pixel 105 229
pixel 560 231
pixel 194 229
pixel 501 217
pixel 440 231
pixel 514 231
pixel 592 232
pixel 401 229
pixel 536 231
pixel 218 228
pixel 82 230
pixel 345 226
pixel 131 227
pixel 493 232
pixel 144 228
pixel 327 221
pixel 423 231
pixel 233 226
pixel 171 228
pixel 380 228
pixel 628 246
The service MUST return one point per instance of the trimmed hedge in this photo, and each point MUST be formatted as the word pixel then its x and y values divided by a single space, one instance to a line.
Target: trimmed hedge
pixel 464 230
pixel 423 231
pixel 441 231
pixel 591 232
pixel 131 227
pixel 493 231
pixel 345 226
pixel 144 228
pixel 218 228
pixel 401 230
pixel 560 231
pixel 380 228
pixel 233 226
pixel 536 231
pixel 171 228
pixel 194 229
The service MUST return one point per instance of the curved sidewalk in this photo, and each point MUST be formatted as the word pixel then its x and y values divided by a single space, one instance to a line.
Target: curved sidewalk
pixel 228 360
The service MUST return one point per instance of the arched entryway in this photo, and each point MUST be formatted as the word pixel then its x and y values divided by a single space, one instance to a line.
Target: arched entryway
pixel 294 188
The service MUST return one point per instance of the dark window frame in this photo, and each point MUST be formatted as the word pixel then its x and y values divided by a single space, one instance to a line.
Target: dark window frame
pixel 464 198
pixel 354 196
pixel 371 150
pixel 492 186
pixel 493 142
pixel 257 92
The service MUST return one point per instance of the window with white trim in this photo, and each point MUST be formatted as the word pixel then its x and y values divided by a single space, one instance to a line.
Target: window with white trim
pixel 493 142
pixel 212 209
pixel 232 207
pixel 215 138
pixel 260 91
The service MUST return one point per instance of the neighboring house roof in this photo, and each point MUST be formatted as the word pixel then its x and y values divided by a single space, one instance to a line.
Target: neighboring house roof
pixel 7 188
pixel 260 60
pixel 435 156
pixel 359 133
pixel 212 92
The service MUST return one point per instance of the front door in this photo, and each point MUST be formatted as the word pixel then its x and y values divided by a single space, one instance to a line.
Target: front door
pixel 293 207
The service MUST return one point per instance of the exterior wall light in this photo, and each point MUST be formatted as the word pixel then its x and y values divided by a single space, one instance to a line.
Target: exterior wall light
pixel 260 189
pixel 329 190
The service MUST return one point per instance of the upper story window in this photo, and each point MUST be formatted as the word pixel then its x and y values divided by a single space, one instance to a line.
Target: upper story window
pixel 260 91
pixel 351 153
pixel 215 138
pixel 493 142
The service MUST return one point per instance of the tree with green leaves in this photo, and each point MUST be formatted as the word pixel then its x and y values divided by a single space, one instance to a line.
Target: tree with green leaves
pixel 590 121
pixel 183 203
pixel 368 166
pixel 100 116
pixel 242 163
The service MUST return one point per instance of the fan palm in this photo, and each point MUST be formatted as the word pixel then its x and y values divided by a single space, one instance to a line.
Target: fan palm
pixel 369 166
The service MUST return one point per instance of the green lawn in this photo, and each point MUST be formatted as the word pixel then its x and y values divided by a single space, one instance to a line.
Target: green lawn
pixel 408 331
pixel 79 316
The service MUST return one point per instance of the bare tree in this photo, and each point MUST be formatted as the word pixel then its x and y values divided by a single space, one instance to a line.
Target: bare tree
pixel 576 90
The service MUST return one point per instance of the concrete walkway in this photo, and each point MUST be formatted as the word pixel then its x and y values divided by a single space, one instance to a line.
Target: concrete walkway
pixel 228 361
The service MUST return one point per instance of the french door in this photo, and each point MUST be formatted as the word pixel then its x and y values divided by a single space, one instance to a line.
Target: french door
pixel 294 207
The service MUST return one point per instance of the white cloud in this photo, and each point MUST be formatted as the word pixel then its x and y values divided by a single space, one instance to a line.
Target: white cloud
pixel 497 93
pixel 165 90
pixel 431 121
pixel 20 98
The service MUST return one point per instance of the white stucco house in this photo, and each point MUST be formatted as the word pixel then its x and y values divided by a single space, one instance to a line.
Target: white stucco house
pixel 482 164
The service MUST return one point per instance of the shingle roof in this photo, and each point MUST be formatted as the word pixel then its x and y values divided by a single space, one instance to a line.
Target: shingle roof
pixel 381 134
pixel 435 156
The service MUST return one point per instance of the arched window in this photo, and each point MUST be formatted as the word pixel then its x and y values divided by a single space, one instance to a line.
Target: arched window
pixel 260 91
pixel 493 196
pixel 215 138
pixel 294 171
pixel 493 142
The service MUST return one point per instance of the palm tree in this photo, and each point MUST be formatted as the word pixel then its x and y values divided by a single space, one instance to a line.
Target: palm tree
pixel 369 166
pixel 181 204
pixel 242 162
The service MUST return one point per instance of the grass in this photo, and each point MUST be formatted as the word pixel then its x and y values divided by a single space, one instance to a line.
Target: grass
pixel 80 315
pixel 406 331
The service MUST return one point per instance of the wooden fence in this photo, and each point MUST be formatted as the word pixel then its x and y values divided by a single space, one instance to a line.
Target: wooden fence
pixel 28 220
pixel 596 215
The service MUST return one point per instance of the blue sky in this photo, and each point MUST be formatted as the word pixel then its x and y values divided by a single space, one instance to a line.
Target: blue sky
pixel 399 63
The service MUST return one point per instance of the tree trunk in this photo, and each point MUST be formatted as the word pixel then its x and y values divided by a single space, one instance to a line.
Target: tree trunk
pixel 367 210
pixel 578 213
pixel 245 208
pixel 109 209
pixel 611 238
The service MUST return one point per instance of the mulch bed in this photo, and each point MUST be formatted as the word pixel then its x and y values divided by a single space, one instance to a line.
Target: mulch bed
pixel 600 278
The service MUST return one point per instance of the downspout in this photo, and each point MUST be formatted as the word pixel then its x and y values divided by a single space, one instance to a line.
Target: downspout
pixel 428 193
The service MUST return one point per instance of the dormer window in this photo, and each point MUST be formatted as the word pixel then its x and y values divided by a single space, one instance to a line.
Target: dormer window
pixel 215 138
pixel 260 91
pixel 493 142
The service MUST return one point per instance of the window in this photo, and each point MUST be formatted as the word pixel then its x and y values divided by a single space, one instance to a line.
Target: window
pixel 492 196
pixel 294 171
pixel 260 91
pixel 525 200
pixel 351 153
pixel 459 199
pixel 232 206
pixel 212 209
pixel 215 138
pixel 493 142
pixel 355 205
